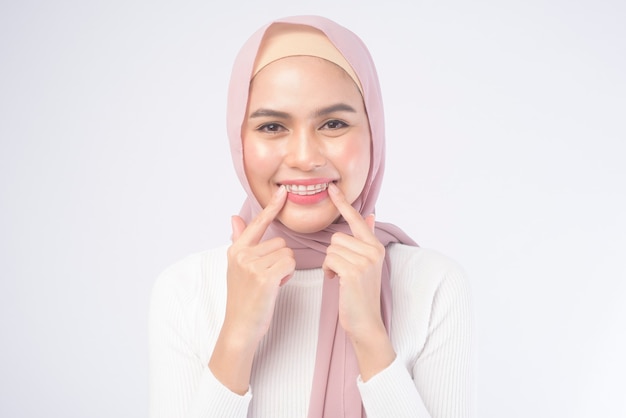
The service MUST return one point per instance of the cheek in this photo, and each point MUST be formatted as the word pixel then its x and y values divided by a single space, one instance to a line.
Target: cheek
pixel 259 163
pixel 354 161
pixel 257 157
pixel 252 154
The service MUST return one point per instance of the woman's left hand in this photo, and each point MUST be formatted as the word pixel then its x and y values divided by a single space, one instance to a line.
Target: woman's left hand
pixel 356 261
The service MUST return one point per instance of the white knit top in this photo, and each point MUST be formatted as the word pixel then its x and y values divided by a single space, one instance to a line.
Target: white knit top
pixel 431 332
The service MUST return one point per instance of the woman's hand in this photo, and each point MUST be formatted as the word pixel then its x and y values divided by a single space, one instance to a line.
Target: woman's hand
pixel 357 261
pixel 255 272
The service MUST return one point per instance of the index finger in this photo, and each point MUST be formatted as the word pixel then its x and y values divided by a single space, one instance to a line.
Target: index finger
pixel 257 227
pixel 357 224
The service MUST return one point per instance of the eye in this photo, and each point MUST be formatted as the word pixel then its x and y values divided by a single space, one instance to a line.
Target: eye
pixel 334 124
pixel 271 128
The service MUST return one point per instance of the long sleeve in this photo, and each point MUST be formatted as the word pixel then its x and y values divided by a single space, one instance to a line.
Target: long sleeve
pixel 392 393
pixel 444 371
pixel 432 376
pixel 186 314
pixel 181 383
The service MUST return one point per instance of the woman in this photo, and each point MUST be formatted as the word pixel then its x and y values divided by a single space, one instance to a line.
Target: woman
pixel 315 309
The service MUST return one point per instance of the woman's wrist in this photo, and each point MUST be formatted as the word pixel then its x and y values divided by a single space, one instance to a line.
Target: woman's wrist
pixel 231 361
pixel 374 352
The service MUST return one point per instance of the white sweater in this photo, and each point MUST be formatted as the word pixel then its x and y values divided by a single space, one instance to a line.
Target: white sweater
pixel 431 332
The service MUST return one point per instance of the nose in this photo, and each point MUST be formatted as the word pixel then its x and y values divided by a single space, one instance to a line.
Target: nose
pixel 304 151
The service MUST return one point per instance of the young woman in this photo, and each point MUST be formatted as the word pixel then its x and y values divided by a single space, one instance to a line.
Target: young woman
pixel 315 309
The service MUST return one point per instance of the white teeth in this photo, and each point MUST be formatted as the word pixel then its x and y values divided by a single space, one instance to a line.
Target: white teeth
pixel 302 190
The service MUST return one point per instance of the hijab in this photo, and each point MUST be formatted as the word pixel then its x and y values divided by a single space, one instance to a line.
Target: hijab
pixel 334 392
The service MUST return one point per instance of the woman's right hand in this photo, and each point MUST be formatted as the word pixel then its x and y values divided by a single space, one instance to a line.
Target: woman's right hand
pixel 256 270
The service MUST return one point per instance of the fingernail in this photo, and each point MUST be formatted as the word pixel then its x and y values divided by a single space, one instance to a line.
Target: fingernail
pixel 232 228
pixel 280 190
pixel 332 188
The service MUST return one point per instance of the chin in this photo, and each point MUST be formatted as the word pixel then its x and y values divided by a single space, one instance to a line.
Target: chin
pixel 306 225
pixel 306 228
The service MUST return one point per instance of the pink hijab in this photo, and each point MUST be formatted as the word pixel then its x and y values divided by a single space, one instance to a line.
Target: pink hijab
pixel 334 393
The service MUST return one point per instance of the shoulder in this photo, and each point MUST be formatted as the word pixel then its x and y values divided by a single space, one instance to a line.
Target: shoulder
pixel 182 279
pixel 425 272
pixel 428 262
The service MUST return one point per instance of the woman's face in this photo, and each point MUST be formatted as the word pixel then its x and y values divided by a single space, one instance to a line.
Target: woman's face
pixel 305 126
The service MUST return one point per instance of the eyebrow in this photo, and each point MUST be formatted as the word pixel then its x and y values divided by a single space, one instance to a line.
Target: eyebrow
pixel 263 113
pixel 339 107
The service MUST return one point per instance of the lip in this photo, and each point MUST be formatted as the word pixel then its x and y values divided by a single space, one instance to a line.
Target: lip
pixel 307 199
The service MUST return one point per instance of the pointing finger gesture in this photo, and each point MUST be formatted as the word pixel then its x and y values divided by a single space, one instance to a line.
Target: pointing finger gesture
pixel 256 269
pixel 356 261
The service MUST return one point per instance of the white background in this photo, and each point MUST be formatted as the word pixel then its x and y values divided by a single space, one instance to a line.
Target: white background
pixel 506 133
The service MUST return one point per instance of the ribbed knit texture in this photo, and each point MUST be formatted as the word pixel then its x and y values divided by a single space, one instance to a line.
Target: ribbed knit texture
pixel 432 375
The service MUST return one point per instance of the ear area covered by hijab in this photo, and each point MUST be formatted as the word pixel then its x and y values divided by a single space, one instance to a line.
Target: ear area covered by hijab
pixel 335 392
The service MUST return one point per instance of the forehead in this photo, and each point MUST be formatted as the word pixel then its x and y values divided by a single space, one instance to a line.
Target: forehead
pixel 304 74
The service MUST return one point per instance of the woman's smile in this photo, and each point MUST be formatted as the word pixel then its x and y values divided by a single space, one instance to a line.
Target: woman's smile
pixel 306 191
pixel 302 190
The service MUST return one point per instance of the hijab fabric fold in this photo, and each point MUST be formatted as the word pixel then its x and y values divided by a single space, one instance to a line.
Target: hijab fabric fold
pixel 334 393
